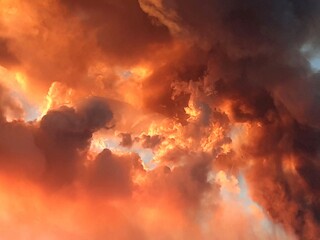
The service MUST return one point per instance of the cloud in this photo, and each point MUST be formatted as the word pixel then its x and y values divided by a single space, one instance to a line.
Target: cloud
pixel 180 100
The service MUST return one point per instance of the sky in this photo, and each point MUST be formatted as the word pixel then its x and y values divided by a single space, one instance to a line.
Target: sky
pixel 315 63
pixel 159 119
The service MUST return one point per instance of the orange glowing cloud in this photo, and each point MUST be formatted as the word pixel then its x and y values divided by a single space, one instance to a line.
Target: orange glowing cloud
pixel 153 119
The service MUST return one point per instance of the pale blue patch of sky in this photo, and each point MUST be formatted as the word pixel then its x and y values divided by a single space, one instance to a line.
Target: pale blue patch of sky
pixel 145 154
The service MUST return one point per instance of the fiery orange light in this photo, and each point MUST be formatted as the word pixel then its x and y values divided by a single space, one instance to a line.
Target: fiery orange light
pixel 168 112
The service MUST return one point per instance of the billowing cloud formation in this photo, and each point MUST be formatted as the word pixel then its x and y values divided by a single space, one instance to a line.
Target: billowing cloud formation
pixel 65 133
pixel 159 119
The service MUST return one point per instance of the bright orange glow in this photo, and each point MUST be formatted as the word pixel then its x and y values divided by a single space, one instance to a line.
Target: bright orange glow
pixel 141 72
pixel 151 119
pixel 21 80
pixel 57 96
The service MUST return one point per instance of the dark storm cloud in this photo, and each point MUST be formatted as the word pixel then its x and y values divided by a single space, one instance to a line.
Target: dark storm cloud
pixel 256 65
pixel 65 134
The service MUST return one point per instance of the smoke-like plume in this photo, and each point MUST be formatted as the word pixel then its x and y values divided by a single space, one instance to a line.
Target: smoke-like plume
pixel 158 119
